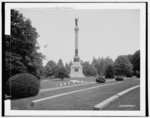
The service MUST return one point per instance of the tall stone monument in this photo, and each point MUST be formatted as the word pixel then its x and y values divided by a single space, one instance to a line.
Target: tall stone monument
pixel 76 68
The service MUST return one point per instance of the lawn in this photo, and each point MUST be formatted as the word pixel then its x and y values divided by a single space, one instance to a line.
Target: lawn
pixel 80 100
pixel 24 103
pixel 56 82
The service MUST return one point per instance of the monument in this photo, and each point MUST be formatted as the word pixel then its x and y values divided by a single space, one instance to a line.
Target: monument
pixel 76 68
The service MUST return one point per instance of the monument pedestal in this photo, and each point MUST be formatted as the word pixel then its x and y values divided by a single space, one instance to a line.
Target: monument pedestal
pixel 76 70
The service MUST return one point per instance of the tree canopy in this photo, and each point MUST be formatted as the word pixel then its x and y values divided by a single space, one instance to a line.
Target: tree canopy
pixel 109 73
pixel 50 68
pixel 122 66
pixel 21 47
pixel 136 61
pixel 88 69
pixel 101 64
pixel 62 73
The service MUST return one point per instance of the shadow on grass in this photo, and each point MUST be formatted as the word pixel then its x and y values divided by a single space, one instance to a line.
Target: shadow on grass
pixel 18 97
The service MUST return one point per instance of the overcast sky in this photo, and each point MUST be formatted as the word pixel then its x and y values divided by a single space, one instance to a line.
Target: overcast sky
pixel 104 33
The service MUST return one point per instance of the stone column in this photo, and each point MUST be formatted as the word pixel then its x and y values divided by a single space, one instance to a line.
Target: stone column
pixel 76 41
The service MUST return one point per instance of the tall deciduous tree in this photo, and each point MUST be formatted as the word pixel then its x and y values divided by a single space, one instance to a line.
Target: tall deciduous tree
pixel 50 68
pixel 21 47
pixel 122 66
pixel 136 61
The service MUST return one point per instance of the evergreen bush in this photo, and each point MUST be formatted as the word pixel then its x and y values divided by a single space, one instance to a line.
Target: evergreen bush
pixel 119 78
pixel 22 85
pixel 100 79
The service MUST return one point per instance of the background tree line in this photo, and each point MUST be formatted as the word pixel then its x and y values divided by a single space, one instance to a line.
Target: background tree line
pixel 126 65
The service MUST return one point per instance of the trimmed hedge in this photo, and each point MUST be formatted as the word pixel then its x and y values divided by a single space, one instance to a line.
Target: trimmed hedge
pixel 22 85
pixel 100 79
pixel 119 78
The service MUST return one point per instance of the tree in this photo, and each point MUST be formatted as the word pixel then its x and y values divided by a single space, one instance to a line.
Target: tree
pixel 107 61
pixel 68 67
pixel 89 70
pixel 130 57
pixel 62 73
pixel 94 61
pixel 21 47
pixel 136 61
pixel 60 63
pixel 122 66
pixel 50 68
pixel 109 73
pixel 101 64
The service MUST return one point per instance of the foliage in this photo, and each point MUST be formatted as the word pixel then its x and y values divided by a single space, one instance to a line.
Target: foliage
pixel 107 61
pixel 109 73
pixel 88 70
pixel 68 67
pixel 122 66
pixel 136 61
pixel 60 64
pixel 138 74
pixel 21 47
pixel 130 56
pixel 101 64
pixel 119 78
pixel 100 79
pixel 22 85
pixel 62 73
pixel 129 74
pixel 50 68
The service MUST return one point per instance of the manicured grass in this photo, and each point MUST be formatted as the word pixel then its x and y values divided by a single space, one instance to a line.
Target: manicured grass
pixel 24 103
pixel 82 100
pixel 51 83
pixel 129 101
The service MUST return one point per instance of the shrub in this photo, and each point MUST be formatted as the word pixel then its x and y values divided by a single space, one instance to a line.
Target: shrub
pixel 22 85
pixel 119 78
pixel 100 79
pixel 129 74
pixel 138 74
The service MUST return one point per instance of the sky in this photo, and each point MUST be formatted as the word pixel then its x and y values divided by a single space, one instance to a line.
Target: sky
pixel 102 32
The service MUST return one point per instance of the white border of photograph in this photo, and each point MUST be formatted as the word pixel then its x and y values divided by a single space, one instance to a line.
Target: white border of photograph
pixel 60 6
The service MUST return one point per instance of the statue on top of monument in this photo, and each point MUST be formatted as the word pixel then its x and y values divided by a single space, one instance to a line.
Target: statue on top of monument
pixel 76 21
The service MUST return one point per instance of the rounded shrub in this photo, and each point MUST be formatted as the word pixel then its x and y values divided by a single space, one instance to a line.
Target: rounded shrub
pixel 100 79
pixel 22 85
pixel 119 78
